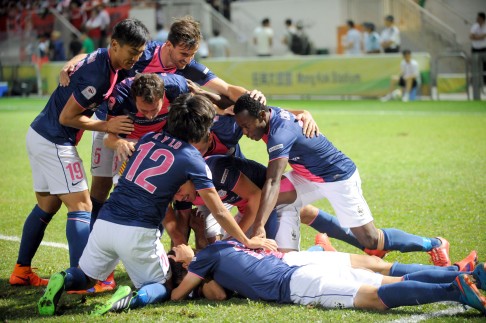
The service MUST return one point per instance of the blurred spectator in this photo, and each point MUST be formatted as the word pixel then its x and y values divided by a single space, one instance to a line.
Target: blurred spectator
pixel 41 54
pixel 289 32
pixel 56 47
pixel 300 43
pixel 162 33
pixel 390 36
pixel 352 42
pixel 263 38
pixel 478 38
pixel 98 23
pixel 77 16
pixel 409 80
pixel 88 44
pixel 75 46
pixel 371 39
pixel 203 51
pixel 218 45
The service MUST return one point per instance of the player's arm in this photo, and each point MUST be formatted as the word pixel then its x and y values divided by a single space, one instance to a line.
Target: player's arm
pixel 233 91
pixel 68 68
pixel 184 254
pixel 122 147
pixel 247 190
pixel 225 219
pixel 221 101
pixel 213 291
pixel 72 116
pixel 270 192
pixel 170 224
pixel 309 127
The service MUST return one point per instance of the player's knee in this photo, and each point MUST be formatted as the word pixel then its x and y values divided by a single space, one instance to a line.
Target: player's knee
pixel 307 214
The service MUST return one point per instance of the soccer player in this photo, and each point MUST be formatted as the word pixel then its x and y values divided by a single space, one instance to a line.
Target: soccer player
pixel 57 169
pixel 265 277
pixel 320 170
pixel 128 226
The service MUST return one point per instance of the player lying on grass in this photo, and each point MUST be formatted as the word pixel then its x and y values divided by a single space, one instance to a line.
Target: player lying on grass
pixel 128 225
pixel 320 170
pixel 326 279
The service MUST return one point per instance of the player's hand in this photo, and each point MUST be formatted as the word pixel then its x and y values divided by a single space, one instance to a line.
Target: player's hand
pixel 259 231
pixel 267 244
pixel 309 127
pixel 193 87
pixel 64 74
pixel 120 125
pixel 257 95
pixel 124 149
pixel 183 254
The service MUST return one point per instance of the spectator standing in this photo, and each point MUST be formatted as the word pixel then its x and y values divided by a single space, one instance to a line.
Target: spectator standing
pixel 162 33
pixel 98 23
pixel 56 47
pixel 390 36
pixel 88 44
pixel 75 46
pixel 478 38
pixel 353 39
pixel 289 32
pixel 218 46
pixel 371 39
pixel 263 38
pixel 300 43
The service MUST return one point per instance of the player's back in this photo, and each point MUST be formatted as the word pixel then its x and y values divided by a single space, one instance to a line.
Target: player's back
pixel 91 82
pixel 154 173
pixel 225 134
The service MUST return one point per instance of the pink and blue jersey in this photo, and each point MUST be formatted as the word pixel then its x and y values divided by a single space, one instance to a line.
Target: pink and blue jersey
pixel 92 81
pixel 121 102
pixel 154 173
pixel 314 158
pixel 248 272
pixel 225 134
pixel 151 62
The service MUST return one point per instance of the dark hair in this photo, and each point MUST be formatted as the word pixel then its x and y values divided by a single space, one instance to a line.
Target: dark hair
pixel 185 32
pixel 406 52
pixel 265 21
pixel 131 32
pixel 190 117
pixel 350 23
pixel 482 15
pixel 389 18
pixel 216 32
pixel 245 102
pixel 288 22
pixel 148 86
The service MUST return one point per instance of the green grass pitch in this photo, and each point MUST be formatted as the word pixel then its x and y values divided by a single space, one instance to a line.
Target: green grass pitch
pixel 423 167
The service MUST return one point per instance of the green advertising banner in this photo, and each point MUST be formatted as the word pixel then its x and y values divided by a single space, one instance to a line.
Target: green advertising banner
pixel 367 76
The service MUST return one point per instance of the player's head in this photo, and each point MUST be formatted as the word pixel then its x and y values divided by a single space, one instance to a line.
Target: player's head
pixel 186 193
pixel 183 41
pixel 128 43
pixel 251 116
pixel 190 118
pixel 148 92
pixel 407 55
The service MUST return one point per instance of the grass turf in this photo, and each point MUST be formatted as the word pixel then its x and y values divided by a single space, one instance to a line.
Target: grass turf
pixel 422 165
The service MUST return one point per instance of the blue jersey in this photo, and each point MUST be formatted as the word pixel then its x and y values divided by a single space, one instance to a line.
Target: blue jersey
pixel 151 62
pixel 226 171
pixel 248 272
pixel 121 102
pixel 225 134
pixel 92 81
pixel 314 158
pixel 154 173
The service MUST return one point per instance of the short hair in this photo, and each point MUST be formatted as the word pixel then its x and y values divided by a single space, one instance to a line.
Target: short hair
pixel 131 32
pixel 406 52
pixel 482 15
pixel 350 23
pixel 288 22
pixel 190 117
pixel 185 32
pixel 216 32
pixel 390 18
pixel 246 102
pixel 265 21
pixel 150 87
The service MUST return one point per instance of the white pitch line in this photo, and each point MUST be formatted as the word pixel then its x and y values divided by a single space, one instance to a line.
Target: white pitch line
pixel 456 309
pixel 43 243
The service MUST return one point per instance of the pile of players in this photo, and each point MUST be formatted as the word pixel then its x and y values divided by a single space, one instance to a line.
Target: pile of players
pixel 152 123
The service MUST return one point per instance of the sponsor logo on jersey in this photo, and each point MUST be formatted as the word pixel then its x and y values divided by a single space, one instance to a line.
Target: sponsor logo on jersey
pixel 222 193
pixel 225 175
pixel 271 149
pixel 89 92
pixel 206 70
pixel 295 158
pixel 91 57
pixel 285 115
pixel 208 172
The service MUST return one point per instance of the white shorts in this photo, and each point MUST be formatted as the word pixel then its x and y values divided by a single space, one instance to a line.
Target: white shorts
pixel 55 168
pixel 213 228
pixel 320 258
pixel 104 161
pixel 345 197
pixel 329 286
pixel 139 249
pixel 288 233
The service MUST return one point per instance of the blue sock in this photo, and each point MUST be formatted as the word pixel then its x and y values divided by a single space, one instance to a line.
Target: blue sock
pixel 271 227
pixel 433 276
pixel 75 279
pixel 398 269
pixel 94 212
pixel 405 242
pixel 326 223
pixel 315 248
pixel 409 293
pixel 149 294
pixel 77 232
pixel 32 234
